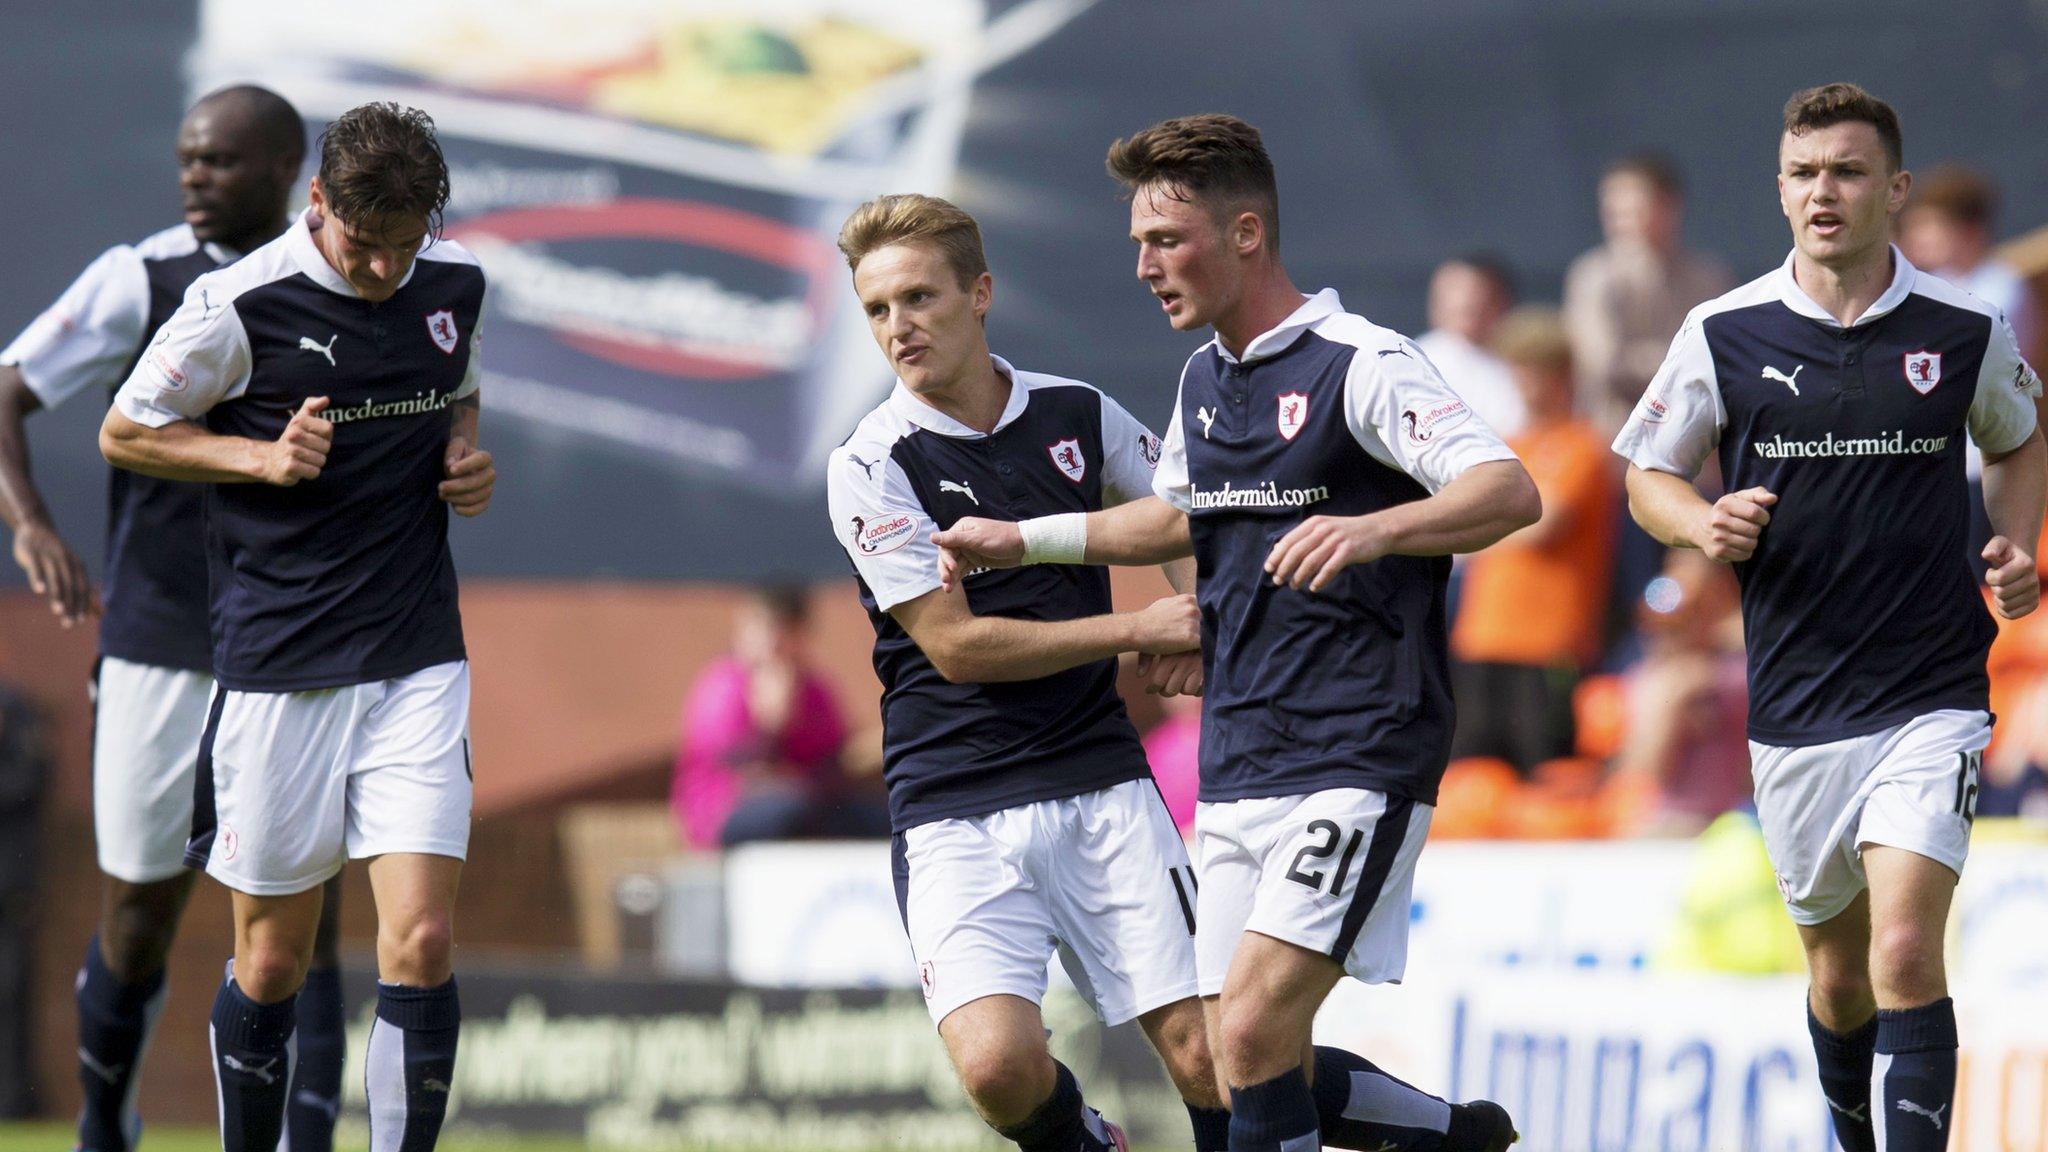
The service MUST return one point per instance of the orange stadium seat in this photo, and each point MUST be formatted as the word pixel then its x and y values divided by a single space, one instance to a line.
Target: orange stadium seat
pixel 1561 801
pixel 1474 798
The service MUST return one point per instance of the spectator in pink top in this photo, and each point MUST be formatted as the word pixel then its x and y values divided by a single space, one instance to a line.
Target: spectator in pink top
pixel 762 736
pixel 1173 749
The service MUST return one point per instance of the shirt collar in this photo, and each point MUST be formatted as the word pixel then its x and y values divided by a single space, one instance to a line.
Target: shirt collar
pixel 906 404
pixel 1795 297
pixel 306 253
pixel 1274 340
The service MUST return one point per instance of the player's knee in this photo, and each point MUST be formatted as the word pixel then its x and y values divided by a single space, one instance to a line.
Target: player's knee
pixel 423 947
pixel 1842 993
pixel 1906 962
pixel 1184 1048
pixel 267 973
pixel 1006 1082
pixel 139 923
pixel 1250 1043
pixel 135 939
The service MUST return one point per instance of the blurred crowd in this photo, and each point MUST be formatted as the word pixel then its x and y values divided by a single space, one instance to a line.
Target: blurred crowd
pixel 1599 676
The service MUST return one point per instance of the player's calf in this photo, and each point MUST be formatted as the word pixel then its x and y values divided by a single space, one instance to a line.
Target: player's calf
pixel 997 1045
pixel 322 1038
pixel 1179 1033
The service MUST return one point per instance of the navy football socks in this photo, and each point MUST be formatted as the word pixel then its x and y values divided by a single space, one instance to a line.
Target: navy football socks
pixel 1913 1077
pixel 251 1066
pixel 1360 1106
pixel 1276 1116
pixel 410 1067
pixel 1062 1123
pixel 1212 1128
pixel 316 1080
pixel 1845 1059
pixel 114 1025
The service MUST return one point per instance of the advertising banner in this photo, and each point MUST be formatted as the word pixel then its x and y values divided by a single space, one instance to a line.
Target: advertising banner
pixel 669 1066
pixel 654 189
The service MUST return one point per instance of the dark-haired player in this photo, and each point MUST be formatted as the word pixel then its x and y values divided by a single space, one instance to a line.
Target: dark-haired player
pixel 325 387
pixel 1838 390
pixel 1321 472
pixel 239 151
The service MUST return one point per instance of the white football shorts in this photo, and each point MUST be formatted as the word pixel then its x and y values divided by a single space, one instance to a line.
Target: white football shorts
pixel 292 785
pixel 145 741
pixel 1913 786
pixel 1101 878
pixel 1330 871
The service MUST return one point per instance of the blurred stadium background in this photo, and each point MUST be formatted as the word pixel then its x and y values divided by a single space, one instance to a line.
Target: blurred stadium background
pixel 654 187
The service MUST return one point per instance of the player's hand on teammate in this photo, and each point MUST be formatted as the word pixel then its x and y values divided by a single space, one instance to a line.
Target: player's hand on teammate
pixel 1167 625
pixel 54 571
pixel 972 543
pixel 1735 523
pixel 301 452
pixel 1175 674
pixel 1318 548
pixel 2015 585
pixel 470 476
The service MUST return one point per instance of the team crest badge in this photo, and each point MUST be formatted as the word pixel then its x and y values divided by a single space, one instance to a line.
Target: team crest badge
pixel 1293 414
pixel 441 326
pixel 1066 455
pixel 1923 370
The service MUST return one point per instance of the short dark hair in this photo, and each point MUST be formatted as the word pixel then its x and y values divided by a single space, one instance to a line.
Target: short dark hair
pixel 1811 108
pixel 1493 266
pixel 1210 157
pixel 1656 168
pixel 786 601
pixel 1963 195
pixel 383 159
pixel 272 116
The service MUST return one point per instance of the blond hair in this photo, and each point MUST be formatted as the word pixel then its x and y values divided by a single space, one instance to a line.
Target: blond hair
pixel 1534 338
pixel 907 217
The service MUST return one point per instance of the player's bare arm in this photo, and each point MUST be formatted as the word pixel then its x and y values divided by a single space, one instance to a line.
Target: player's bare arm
pixel 1485 503
pixel 54 571
pixel 2016 498
pixel 1146 531
pixel 1177 673
pixel 971 649
pixel 187 450
pixel 467 468
pixel 1670 509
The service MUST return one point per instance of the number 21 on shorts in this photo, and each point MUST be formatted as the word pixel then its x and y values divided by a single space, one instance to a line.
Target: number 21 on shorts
pixel 1309 868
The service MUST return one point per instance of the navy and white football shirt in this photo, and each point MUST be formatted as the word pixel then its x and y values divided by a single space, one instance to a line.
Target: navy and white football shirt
pixel 909 470
pixel 155 586
pixel 1327 414
pixel 345 579
pixel 1859 606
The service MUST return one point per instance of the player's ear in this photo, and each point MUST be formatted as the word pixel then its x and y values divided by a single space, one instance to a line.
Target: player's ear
pixel 316 199
pixel 1247 233
pixel 1902 185
pixel 983 290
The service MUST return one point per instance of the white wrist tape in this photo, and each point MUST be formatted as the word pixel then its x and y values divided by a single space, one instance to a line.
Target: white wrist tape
pixel 1061 539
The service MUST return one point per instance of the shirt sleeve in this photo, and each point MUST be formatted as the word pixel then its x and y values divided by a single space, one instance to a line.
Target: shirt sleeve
pixel 1404 415
pixel 2002 412
pixel 90 333
pixel 1677 423
pixel 473 372
pixel 885 531
pixel 1130 455
pixel 1170 481
pixel 200 358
